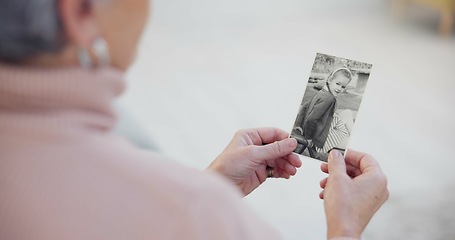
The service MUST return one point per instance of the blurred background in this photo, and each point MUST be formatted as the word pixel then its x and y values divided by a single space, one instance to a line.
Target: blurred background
pixel 208 68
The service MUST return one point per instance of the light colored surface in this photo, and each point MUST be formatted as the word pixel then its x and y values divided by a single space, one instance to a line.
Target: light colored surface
pixel 207 68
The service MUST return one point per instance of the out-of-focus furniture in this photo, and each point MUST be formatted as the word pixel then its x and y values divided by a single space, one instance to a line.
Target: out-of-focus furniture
pixel 446 8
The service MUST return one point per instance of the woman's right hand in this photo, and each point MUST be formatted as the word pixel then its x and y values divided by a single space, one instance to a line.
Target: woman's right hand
pixel 354 190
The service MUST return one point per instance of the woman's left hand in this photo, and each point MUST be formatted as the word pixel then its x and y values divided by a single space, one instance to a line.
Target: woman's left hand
pixel 251 151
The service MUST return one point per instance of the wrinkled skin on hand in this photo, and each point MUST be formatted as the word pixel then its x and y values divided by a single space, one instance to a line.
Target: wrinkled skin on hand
pixel 245 159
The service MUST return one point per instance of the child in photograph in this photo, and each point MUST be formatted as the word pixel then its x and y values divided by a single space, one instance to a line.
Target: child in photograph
pixel 315 117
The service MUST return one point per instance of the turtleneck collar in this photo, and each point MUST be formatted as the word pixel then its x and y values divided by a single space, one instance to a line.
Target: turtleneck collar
pixel 73 91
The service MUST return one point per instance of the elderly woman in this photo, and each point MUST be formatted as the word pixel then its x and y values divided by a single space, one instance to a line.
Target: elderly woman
pixel 65 175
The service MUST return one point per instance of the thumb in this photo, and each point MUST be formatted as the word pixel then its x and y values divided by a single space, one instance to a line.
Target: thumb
pixel 276 150
pixel 336 162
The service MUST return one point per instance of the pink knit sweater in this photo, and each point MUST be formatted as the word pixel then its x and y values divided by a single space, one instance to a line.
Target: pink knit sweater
pixel 63 175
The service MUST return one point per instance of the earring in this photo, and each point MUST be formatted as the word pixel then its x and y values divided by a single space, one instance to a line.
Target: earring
pixel 84 58
pixel 101 52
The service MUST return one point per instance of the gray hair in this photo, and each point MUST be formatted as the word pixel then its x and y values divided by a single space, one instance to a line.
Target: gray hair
pixel 29 28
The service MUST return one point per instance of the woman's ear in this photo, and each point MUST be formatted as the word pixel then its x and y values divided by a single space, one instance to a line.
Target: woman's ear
pixel 78 22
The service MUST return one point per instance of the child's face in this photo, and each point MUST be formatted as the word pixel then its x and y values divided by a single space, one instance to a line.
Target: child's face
pixel 338 84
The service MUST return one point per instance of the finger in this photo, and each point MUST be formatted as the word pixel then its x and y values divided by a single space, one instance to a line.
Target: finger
pixel 280 173
pixel 290 169
pixel 352 171
pixel 284 164
pixel 325 167
pixel 323 183
pixel 354 157
pixel 336 162
pixel 262 174
pixel 261 136
pixel 274 150
pixel 321 194
pixel 361 160
pixel 294 160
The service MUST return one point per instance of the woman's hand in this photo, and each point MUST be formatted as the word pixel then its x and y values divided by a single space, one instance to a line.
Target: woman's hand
pixel 245 159
pixel 355 189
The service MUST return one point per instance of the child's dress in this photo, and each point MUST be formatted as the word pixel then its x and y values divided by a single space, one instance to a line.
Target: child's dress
pixel 337 134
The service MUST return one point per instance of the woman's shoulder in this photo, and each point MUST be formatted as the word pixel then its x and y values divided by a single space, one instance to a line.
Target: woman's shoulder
pixel 133 193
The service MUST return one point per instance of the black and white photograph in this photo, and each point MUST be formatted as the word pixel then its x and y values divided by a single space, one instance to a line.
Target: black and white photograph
pixel 330 105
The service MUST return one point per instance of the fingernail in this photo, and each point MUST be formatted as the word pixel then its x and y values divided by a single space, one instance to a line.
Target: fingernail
pixel 335 153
